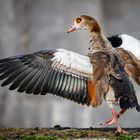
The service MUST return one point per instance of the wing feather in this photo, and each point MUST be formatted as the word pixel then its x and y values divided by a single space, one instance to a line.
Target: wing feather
pixel 59 72
pixel 131 64
pixel 13 76
pixel 24 85
pixel 19 77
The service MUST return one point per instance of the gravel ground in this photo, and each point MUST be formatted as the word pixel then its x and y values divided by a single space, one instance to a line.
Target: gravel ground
pixel 59 132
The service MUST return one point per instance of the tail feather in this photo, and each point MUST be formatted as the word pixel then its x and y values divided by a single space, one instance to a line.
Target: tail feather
pixel 138 107
pixel 124 89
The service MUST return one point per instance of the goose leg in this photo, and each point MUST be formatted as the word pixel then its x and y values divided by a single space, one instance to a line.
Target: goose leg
pixel 113 120
pixel 114 115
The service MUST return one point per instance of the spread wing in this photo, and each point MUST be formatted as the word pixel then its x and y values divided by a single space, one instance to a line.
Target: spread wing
pixel 131 64
pixel 59 72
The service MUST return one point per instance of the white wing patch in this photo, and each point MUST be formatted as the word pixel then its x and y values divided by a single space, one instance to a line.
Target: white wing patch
pixel 72 62
pixel 131 44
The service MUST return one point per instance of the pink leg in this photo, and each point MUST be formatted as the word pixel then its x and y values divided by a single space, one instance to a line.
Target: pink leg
pixel 113 119
pixel 114 115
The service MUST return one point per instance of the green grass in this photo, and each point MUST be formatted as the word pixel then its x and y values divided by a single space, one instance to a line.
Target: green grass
pixel 37 137
pixel 127 137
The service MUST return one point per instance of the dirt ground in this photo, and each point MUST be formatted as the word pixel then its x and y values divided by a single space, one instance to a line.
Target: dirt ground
pixel 68 133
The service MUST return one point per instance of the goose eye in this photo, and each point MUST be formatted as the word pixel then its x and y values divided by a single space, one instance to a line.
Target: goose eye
pixel 78 20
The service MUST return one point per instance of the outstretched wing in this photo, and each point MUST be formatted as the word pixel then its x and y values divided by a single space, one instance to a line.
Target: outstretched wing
pixel 131 64
pixel 59 72
pixel 126 42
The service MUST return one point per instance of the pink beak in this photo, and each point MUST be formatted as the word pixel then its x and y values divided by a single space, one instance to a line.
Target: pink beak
pixel 73 28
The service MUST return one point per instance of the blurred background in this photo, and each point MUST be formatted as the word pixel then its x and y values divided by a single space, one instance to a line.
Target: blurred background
pixel 31 25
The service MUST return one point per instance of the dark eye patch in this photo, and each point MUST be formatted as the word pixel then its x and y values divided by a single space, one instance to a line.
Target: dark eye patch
pixel 78 20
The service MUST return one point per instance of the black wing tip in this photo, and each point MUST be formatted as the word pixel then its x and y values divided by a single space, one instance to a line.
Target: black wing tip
pixel 4 84
pixel 12 58
pixel 115 40
pixel 138 107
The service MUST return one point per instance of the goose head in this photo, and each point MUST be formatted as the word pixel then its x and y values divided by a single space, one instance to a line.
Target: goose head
pixel 85 22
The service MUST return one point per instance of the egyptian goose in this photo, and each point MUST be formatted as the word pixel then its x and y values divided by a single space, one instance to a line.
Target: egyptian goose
pixel 82 79
pixel 126 42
